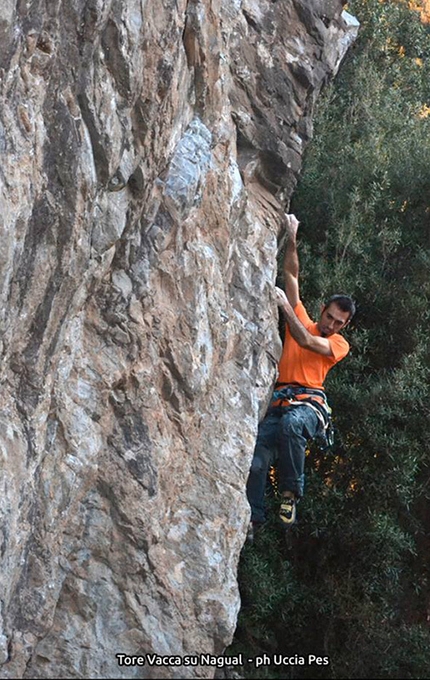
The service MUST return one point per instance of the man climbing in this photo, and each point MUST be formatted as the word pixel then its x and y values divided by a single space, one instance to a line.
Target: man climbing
pixel 299 410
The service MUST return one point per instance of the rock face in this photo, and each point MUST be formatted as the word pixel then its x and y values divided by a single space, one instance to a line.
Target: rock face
pixel 148 150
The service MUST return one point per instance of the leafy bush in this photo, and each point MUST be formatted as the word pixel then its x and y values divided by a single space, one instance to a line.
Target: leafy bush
pixel 352 582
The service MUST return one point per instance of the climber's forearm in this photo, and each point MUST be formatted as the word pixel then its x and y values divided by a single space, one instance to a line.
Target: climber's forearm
pixel 291 261
pixel 300 334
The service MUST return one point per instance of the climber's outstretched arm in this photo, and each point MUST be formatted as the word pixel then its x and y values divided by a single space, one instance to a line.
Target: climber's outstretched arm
pixel 291 261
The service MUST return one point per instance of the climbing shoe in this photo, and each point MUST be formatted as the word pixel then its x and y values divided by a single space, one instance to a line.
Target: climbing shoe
pixel 287 511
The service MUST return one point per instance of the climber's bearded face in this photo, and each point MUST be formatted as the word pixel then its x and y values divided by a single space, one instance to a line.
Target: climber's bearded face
pixel 332 320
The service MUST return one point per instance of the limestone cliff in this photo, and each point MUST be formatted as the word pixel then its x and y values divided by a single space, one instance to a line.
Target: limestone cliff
pixel 148 150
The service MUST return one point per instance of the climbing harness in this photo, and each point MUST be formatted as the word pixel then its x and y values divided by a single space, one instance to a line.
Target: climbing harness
pixel 286 395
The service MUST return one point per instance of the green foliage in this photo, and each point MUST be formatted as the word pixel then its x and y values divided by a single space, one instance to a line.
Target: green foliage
pixel 353 580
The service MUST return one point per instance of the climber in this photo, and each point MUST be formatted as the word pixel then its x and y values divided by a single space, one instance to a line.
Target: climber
pixel 299 410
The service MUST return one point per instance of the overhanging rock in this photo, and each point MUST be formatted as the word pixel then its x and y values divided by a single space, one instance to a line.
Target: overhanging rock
pixel 148 152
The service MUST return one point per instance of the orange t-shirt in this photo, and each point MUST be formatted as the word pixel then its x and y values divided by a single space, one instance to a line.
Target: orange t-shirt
pixel 303 366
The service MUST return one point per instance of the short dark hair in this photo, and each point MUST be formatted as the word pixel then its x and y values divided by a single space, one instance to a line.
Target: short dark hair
pixel 344 302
